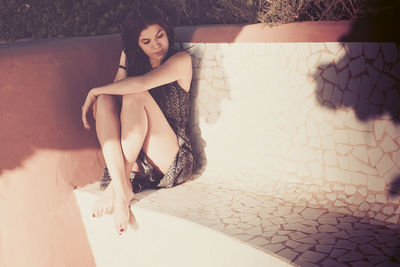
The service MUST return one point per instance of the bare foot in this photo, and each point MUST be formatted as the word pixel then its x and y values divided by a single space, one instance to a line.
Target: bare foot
pixel 122 212
pixel 105 203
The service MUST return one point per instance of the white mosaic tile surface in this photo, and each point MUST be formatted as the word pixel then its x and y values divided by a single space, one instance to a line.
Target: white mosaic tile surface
pixel 260 214
pixel 320 120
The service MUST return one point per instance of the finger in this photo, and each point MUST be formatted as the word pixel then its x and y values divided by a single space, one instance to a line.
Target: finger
pixel 84 122
pixel 94 110
pixel 84 119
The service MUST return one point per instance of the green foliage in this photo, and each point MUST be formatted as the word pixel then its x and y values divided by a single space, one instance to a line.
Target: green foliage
pixel 52 18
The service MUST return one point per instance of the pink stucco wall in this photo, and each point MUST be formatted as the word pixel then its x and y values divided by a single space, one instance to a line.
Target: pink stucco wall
pixel 45 151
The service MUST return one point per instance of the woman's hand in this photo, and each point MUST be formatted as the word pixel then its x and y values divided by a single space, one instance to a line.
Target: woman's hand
pixel 90 99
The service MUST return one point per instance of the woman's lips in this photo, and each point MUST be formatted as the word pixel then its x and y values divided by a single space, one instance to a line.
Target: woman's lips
pixel 159 53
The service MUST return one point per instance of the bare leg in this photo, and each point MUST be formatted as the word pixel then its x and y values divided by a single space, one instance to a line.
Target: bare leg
pixel 133 131
pixel 108 133
pixel 143 126
pixel 105 203
pixel 161 143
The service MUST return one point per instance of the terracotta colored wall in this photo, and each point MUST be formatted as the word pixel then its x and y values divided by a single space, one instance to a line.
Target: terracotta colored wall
pixel 44 149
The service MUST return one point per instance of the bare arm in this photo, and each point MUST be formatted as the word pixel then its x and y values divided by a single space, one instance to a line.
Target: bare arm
pixel 176 68
pixel 121 73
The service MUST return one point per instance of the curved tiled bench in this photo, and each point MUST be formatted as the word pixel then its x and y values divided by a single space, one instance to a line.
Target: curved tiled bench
pixel 317 120
pixel 296 138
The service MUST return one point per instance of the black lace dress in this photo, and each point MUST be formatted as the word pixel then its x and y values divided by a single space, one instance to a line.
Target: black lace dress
pixel 174 102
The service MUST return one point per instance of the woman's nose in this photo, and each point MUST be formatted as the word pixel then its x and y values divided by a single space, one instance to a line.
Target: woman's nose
pixel 157 44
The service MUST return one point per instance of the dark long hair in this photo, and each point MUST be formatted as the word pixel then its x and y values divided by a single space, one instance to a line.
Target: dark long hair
pixel 138 20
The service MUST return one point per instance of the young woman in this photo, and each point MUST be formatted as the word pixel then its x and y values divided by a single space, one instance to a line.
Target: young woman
pixel 142 117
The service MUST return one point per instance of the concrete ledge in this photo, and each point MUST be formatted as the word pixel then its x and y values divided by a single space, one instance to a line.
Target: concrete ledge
pixel 330 31
pixel 163 240
pixel 378 30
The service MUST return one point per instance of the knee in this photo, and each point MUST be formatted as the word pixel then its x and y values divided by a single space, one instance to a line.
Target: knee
pixel 133 116
pixel 134 99
pixel 105 102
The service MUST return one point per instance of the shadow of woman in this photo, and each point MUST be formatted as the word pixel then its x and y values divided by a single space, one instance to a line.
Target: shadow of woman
pixel 209 85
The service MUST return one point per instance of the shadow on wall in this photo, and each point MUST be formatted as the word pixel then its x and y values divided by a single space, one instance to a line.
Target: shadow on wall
pixel 205 100
pixel 367 77
pixel 209 85
pixel 394 190
pixel 357 241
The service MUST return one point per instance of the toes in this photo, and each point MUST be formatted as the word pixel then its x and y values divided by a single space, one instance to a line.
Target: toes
pixel 98 212
pixel 119 229
pixel 121 218
pixel 109 210
pixel 94 213
pixel 122 229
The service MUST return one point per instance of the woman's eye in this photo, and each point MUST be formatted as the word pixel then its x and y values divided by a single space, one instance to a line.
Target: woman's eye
pixel 160 36
pixel 146 42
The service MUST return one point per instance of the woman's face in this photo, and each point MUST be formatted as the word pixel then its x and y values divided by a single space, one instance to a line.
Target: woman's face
pixel 154 42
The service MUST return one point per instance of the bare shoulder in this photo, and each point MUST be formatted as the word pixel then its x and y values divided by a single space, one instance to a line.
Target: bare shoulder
pixel 182 57
pixel 183 61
